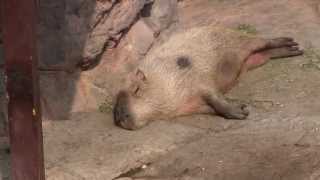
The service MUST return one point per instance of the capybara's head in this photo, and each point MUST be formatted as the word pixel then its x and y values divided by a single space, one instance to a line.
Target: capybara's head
pixel 134 107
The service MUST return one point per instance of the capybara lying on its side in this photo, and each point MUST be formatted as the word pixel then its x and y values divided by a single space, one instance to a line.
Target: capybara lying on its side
pixel 191 72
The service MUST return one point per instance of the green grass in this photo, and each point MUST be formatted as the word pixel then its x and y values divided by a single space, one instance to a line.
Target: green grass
pixel 105 107
pixel 312 56
pixel 247 29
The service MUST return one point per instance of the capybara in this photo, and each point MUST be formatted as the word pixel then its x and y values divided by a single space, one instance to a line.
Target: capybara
pixel 191 72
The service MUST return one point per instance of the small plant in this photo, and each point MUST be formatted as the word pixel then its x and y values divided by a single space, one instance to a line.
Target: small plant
pixel 312 54
pixel 105 107
pixel 247 28
pixel 313 57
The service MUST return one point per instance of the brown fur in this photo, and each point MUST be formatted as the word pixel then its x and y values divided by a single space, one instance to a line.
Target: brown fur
pixel 213 60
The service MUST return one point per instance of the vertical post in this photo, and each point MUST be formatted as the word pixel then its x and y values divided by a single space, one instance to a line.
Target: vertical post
pixel 19 18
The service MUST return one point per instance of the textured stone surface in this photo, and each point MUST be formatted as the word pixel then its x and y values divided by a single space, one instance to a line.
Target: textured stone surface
pixel 141 37
pixel 71 31
pixel 90 147
pixel 160 14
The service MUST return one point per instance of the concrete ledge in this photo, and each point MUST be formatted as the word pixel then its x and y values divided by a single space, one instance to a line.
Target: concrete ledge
pixel 90 147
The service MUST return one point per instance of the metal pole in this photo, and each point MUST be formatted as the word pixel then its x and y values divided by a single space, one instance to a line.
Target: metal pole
pixel 19 18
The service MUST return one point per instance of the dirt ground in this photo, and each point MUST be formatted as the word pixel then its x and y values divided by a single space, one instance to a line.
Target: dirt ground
pixel 279 141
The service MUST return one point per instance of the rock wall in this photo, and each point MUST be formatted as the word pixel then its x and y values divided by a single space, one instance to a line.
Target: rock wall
pixel 73 31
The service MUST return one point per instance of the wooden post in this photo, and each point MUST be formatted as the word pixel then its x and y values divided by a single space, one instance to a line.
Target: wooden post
pixel 19 18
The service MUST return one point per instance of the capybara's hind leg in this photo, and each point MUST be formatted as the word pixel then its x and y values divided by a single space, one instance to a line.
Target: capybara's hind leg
pixel 283 52
pixel 275 48
pixel 280 42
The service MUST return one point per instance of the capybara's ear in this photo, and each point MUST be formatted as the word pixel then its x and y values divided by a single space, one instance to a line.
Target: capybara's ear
pixel 138 79
pixel 140 76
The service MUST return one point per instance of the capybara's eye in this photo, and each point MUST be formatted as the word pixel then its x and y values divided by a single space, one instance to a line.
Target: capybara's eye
pixel 136 90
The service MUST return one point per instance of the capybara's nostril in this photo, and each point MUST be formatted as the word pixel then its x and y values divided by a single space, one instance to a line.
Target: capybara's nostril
pixel 116 115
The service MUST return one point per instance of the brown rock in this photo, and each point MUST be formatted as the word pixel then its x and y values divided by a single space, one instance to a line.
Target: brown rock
pixel 141 37
pixel 160 14
pixel 120 17
pixel 70 31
